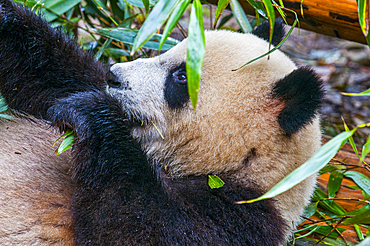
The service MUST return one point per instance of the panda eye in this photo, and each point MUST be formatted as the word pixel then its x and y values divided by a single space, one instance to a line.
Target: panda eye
pixel 180 77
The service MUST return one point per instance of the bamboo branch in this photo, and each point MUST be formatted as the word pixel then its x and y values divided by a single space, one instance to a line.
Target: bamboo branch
pixel 331 17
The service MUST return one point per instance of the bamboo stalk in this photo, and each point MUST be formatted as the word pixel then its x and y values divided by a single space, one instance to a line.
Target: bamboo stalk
pixel 337 18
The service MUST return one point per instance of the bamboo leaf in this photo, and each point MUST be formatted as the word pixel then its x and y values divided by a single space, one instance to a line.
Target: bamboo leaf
pixel 127 22
pixel 271 15
pixel 117 52
pixel 117 12
pixel 312 166
pixel 351 141
pixel 363 15
pixel 3 105
pixel 301 7
pixel 100 4
pixel 360 179
pixel 104 10
pixel 361 94
pixel 310 210
pixel 335 180
pixel 102 48
pixel 174 18
pixel 67 133
pixel 281 12
pixel 57 7
pixel 127 36
pixel 92 10
pixel 363 218
pixel 215 182
pixel 365 149
pixel 66 143
pixel 368 39
pixel 158 130
pixel 222 4
pixel 359 211
pixel 328 206
pixel 195 51
pixel 146 5
pixel 240 16
pixel 258 6
pixel 325 230
pixel 140 4
pixel 225 19
pixel 155 20
pixel 366 242
pixel 6 116
pixel 358 232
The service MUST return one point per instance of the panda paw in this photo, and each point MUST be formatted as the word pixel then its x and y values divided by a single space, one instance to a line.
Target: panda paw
pixel 89 114
pixel 103 141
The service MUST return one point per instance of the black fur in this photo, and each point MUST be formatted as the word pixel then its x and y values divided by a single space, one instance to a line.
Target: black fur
pixel 36 58
pixel 176 92
pixel 101 126
pixel 302 94
pixel 120 200
pixel 263 31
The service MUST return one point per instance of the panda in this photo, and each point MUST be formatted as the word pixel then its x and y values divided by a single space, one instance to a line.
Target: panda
pixel 122 183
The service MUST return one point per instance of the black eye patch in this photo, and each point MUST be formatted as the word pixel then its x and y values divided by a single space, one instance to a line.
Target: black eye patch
pixel 176 87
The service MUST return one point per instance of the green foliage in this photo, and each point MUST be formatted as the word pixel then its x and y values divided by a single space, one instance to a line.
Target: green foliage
pixel 172 21
pixel 360 179
pixel 240 16
pixel 335 180
pixel 214 182
pixel 127 36
pixel 363 14
pixel 196 51
pixel 363 17
pixel 51 9
pixel 361 94
pixel 365 149
pixel 222 4
pixel 155 20
pixel 4 109
pixel 67 142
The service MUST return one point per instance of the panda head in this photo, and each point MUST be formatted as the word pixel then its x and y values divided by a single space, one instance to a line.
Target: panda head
pixel 260 110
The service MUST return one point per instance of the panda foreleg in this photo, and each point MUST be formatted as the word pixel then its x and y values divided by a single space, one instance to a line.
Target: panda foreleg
pixel 39 64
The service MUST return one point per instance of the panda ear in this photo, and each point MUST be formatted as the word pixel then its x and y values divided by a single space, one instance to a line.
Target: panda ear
pixel 302 93
pixel 263 31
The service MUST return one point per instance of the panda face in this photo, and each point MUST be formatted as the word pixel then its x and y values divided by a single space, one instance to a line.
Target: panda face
pixel 236 112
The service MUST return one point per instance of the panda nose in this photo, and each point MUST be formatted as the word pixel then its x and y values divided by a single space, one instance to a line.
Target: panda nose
pixel 113 81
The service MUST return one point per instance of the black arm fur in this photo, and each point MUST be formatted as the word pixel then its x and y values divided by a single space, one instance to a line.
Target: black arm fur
pixel 104 150
pixel 39 64
pixel 119 199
